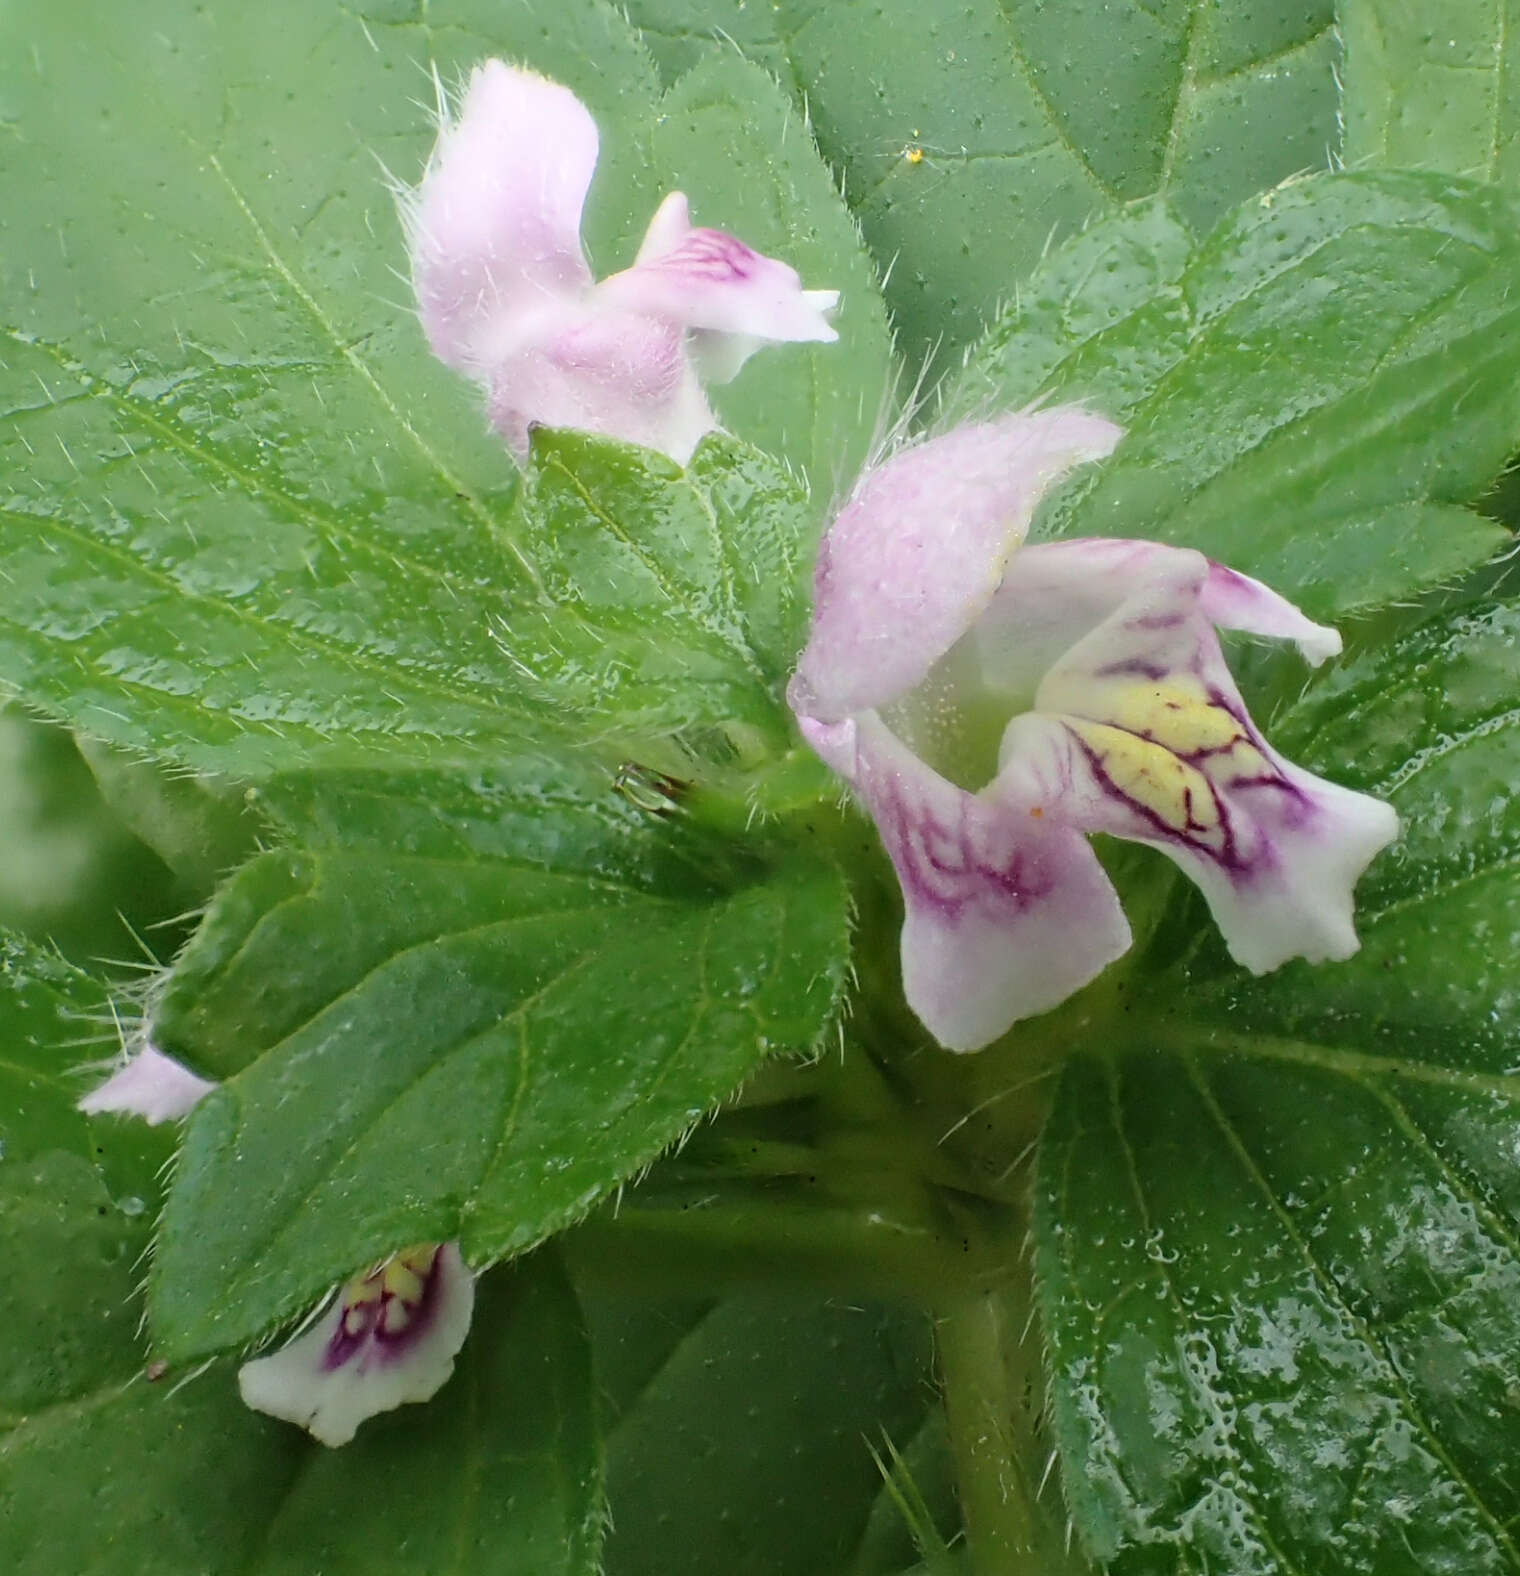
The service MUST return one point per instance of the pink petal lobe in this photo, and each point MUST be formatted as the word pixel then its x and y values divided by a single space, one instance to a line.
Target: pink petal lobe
pixel 1007 913
pixel 1143 725
pixel 150 1085
pixel 1055 593
pixel 917 554
pixel 731 297
pixel 494 227
pixel 1236 601
pixel 621 374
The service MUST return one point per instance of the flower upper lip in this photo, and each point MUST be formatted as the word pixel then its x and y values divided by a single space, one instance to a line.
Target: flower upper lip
pixel 919 550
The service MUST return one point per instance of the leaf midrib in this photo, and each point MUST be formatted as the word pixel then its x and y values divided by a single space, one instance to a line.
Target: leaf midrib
pixel 252 483
pixel 451 483
pixel 1344 1060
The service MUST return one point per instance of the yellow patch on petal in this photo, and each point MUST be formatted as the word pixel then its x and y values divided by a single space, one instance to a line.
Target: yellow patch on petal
pixel 399 1281
pixel 361 1289
pixel 404 1280
pixel 1179 714
pixel 1167 746
pixel 1150 775
pixel 1175 712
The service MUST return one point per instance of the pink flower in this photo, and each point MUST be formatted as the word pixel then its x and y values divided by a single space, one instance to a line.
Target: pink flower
pixel 506 296
pixel 991 704
pixel 150 1085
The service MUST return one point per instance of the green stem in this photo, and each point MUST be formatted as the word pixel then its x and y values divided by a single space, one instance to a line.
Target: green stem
pixel 726 1246
pixel 983 1405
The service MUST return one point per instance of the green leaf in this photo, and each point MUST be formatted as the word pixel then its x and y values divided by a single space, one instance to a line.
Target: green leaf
pixel 684 585
pixel 471 1015
pixel 1432 87
pixel 1279 1238
pixel 75 1201
pixel 201 828
pixel 247 521
pixel 1117 284
pixel 99 1471
pixel 741 1433
pixel 734 143
pixel 1287 388
pixel 73 872
pixel 125 1475
pixel 106 1470
pixel 1030 119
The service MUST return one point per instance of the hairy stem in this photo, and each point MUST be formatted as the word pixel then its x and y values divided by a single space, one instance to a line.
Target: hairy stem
pixel 984 1403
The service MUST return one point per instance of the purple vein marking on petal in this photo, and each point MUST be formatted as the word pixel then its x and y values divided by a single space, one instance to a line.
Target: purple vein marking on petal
pixel 370 1323
pixel 1172 620
pixel 1134 668
pixel 1227 857
pixel 712 254
pixel 940 866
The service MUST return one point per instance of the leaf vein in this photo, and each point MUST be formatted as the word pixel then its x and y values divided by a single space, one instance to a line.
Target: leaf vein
pixel 1397 1386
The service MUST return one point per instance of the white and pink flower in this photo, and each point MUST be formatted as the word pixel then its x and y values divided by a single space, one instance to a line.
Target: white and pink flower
pixel 991 704
pixel 505 293
pixel 150 1085
pixel 389 1336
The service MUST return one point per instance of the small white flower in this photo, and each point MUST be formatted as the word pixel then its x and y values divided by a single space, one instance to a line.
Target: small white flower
pixel 389 1337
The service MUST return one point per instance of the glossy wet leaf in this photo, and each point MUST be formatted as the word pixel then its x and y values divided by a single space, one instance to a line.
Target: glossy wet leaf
pixel 1279 1238
pixel 1288 386
pixel 464 1011
pixel 1432 87
pixel 683 588
pixel 967 134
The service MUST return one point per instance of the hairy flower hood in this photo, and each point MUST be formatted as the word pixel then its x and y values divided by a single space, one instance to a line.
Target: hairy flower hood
pixel 150 1085
pixel 505 293
pixel 992 703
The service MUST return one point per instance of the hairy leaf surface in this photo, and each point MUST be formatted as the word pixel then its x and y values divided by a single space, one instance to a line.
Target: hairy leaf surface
pixel 247 522
pixel 967 134
pixel 1287 387
pixel 722 1411
pixel 494 1004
